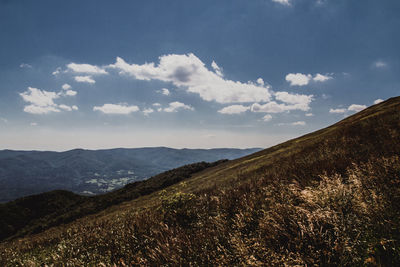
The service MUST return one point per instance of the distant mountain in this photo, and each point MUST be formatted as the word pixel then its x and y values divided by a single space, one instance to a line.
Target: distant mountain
pixel 33 214
pixel 92 172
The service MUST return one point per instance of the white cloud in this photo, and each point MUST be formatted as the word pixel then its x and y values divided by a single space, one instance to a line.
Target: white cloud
pixel 66 86
pixel 234 109
pixel 25 65
pixel 39 97
pixel 321 78
pixel 296 123
pixel 70 93
pixel 42 102
pixel 84 79
pixel 291 102
pixel 378 101
pixel 116 109
pixel 282 2
pixel 338 110
pixel 147 111
pixel 40 110
pixel 188 71
pixel 309 114
pixel 57 71
pixel 85 68
pixel 260 81
pixel 33 124
pixel 65 107
pixel 298 79
pixel 380 64
pixel 157 104
pixel 164 91
pixel 217 69
pixel 356 108
pixel 267 117
pixel 302 101
pixel 68 108
pixel 272 107
pixel 300 123
pixel 175 106
pixel 3 120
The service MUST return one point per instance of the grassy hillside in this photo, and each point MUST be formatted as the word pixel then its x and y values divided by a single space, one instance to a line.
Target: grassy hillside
pixel 327 198
pixel 37 213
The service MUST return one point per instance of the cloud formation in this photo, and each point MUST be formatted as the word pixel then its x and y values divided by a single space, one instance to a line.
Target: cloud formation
pixel 380 64
pixel 42 102
pixel 291 102
pixel 267 117
pixel 337 110
pixel 147 111
pixel 40 98
pixel 66 86
pixel 25 65
pixel 234 109
pixel 122 109
pixel 85 68
pixel 189 72
pixel 299 79
pixel 70 93
pixel 217 69
pixel 164 91
pixel 353 107
pixel 378 101
pixel 356 108
pixel 282 2
pixel 84 79
pixel 175 106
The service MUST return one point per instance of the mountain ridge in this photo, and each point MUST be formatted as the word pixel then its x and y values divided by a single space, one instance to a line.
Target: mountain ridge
pixel 93 171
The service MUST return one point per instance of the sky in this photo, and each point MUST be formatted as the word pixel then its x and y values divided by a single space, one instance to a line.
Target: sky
pixel 100 74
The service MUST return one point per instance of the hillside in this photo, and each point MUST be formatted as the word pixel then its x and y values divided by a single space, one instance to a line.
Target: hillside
pixel 327 198
pixel 34 214
pixel 91 172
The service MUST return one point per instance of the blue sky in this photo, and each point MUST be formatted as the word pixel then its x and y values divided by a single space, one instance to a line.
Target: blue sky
pixel 238 73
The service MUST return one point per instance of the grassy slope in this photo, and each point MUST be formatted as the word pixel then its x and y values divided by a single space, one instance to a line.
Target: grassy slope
pixel 372 133
pixel 34 214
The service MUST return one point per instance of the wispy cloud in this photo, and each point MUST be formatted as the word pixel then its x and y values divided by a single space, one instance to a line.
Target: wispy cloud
pixel 175 106
pixel 84 79
pixel 25 65
pixel 164 91
pixel 299 79
pixel 85 68
pixel 234 109
pixel 282 2
pixel 380 64
pixel 122 109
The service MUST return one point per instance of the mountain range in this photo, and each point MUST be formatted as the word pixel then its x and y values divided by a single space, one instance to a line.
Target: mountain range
pixel 91 172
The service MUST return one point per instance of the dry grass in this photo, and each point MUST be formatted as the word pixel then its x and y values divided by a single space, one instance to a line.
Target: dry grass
pixel 330 198
pixel 339 220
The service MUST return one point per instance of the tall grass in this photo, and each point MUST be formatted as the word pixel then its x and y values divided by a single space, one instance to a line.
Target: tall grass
pixel 349 219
